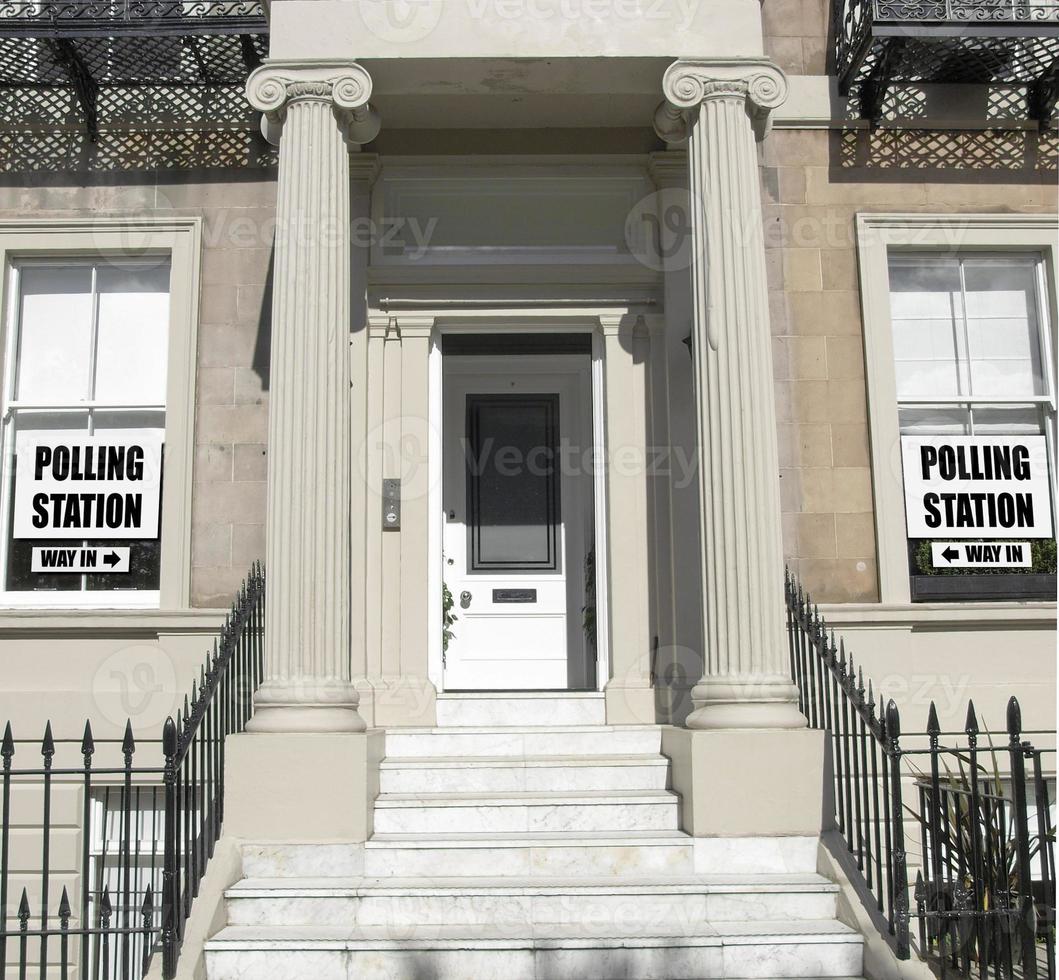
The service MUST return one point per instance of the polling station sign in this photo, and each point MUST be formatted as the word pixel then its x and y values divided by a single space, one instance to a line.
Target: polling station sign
pixel 69 485
pixel 976 486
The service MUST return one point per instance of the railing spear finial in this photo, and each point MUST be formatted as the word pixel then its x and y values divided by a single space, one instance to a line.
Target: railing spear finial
pixel 1014 719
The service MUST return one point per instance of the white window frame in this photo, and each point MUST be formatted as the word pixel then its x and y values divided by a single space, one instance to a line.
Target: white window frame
pixel 948 234
pixel 180 240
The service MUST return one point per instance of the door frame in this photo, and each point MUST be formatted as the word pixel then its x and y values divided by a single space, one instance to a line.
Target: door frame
pixel 499 323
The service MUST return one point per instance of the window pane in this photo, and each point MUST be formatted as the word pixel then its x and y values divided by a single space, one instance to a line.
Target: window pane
pixel 133 329
pixel 922 420
pixel 1007 420
pixel 513 482
pixel 926 314
pixel 55 333
pixel 144 554
pixel 1003 335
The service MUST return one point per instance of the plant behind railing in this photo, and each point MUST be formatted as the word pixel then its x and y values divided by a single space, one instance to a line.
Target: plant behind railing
pixel 155 826
pixel 979 907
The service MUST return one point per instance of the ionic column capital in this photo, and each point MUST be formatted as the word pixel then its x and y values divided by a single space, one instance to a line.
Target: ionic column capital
pixel 277 86
pixel 687 84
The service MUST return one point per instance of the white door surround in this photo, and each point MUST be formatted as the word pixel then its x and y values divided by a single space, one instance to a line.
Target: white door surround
pixel 501 322
pixel 518 517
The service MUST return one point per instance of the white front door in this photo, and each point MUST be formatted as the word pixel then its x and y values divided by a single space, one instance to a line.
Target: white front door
pixel 517 494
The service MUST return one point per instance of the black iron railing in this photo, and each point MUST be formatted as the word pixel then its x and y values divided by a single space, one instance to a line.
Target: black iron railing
pixel 144 832
pixel 985 886
pixel 115 55
pixel 1014 44
pixel 986 892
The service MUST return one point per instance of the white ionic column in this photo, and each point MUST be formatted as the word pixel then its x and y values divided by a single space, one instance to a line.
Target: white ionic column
pixel 307 684
pixel 721 108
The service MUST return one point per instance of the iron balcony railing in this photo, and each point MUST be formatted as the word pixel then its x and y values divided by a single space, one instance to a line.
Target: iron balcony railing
pixel 146 830
pixel 881 45
pixel 188 48
pixel 979 815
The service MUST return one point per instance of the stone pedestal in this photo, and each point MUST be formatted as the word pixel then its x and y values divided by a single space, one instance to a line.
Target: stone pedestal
pixel 301 787
pixel 720 107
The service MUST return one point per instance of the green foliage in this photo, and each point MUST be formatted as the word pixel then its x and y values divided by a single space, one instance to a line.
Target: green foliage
pixel 448 617
pixel 1042 552
pixel 588 610
pixel 963 827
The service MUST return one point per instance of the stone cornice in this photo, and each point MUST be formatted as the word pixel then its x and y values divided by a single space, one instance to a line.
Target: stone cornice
pixel 277 85
pixel 364 168
pixel 668 168
pixel 689 83
pixel 619 324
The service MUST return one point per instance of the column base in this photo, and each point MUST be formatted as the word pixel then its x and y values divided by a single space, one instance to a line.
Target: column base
pixel 748 701
pixel 308 706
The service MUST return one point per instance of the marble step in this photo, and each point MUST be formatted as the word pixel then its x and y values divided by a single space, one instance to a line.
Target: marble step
pixel 630 853
pixel 523 742
pixel 733 950
pixel 634 854
pixel 516 774
pixel 599 810
pixel 503 708
pixel 629 903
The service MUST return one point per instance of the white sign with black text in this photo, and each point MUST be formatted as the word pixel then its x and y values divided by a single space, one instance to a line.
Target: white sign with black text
pixel 69 485
pixel 976 486
pixel 981 554
pixel 48 560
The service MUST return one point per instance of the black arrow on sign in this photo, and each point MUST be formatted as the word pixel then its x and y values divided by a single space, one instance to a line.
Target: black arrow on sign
pixel 112 559
pixel 950 553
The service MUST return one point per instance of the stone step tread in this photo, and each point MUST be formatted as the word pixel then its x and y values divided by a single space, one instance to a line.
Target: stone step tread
pixel 585 797
pixel 560 838
pixel 521 935
pixel 522 762
pixel 522 730
pixel 690 884
pixel 515 695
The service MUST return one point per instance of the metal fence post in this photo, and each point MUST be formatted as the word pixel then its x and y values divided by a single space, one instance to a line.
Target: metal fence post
pixel 898 859
pixel 1020 825
pixel 170 877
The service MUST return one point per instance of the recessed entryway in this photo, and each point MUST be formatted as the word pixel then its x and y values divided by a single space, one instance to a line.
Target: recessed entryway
pixel 518 498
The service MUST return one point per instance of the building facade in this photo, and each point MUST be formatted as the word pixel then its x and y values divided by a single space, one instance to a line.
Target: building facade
pixel 527 344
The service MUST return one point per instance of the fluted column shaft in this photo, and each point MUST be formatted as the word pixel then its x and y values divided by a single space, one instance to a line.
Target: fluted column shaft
pixel 307 683
pixel 718 106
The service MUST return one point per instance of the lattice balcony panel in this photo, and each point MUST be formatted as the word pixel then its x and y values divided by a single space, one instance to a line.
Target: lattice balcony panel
pixel 885 43
pixel 94 48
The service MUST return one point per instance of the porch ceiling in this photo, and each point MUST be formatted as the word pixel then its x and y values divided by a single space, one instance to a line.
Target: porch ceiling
pixel 537 93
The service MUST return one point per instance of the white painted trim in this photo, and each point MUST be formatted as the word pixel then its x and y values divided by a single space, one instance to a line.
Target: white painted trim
pixel 533 320
pixel 944 233
pixel 108 622
pixel 941 616
pixel 435 525
pixel 599 440
pixel 180 239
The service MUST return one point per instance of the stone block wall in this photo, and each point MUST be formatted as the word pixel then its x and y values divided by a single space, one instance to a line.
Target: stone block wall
pixel 232 351
pixel 814 183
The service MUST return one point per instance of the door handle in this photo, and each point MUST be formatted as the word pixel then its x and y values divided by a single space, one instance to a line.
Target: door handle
pixel 465 599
